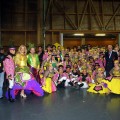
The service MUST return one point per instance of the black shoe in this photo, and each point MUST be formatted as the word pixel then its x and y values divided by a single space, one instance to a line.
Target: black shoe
pixel 81 85
pixel 71 83
pixel 12 100
pixel 1 98
pixel 10 97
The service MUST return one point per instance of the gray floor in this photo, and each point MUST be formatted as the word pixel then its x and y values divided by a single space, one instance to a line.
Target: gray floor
pixel 65 104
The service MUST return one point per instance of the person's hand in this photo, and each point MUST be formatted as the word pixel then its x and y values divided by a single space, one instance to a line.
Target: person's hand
pixel 9 77
pixel 59 82
pixel 44 81
pixel 55 70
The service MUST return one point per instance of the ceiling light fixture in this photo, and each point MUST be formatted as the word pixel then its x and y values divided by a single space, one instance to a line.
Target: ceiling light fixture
pixel 79 34
pixel 100 34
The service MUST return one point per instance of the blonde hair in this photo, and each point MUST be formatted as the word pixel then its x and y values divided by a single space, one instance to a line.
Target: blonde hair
pixel 19 49
pixel 116 61
pixel 101 69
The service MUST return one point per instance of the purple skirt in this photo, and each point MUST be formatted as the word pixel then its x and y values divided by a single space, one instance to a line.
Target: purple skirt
pixel 31 86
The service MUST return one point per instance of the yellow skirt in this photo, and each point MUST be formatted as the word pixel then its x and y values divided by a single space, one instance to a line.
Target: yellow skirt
pixel 94 88
pixel 114 85
pixel 49 86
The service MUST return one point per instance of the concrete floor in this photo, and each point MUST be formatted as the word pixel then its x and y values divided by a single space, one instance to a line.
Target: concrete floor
pixel 65 104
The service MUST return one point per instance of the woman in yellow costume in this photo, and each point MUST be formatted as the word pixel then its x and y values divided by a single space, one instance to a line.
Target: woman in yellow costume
pixel 114 79
pixel 24 80
pixel 99 86
pixel 48 85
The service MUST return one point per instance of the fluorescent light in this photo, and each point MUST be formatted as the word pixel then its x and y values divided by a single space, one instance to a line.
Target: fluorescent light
pixel 79 34
pixel 100 34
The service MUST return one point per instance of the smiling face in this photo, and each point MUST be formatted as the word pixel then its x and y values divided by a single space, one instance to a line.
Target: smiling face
pixel 68 70
pixel 100 71
pixel 22 50
pixel 32 50
pixel 84 71
pixel 12 51
pixel 61 70
pixel 53 58
pixel 75 65
pixel 116 63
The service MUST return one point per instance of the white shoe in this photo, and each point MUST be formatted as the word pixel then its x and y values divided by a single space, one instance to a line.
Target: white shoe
pixel 23 95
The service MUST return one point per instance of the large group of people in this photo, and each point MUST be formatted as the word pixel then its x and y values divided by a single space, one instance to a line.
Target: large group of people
pixel 30 70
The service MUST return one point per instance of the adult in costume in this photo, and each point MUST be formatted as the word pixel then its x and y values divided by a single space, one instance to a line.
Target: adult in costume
pixel 24 79
pixel 33 61
pixel 9 68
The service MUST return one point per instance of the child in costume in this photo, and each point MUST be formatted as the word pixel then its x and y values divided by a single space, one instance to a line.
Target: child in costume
pixel 66 61
pixel 62 79
pixel 113 81
pixel 84 78
pixel 48 84
pixel 99 86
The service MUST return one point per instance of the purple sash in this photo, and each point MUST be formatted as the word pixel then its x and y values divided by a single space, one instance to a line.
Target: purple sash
pixel 35 73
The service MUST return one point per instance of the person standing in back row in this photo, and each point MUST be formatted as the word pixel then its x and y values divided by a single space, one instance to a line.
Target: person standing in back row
pixel 110 57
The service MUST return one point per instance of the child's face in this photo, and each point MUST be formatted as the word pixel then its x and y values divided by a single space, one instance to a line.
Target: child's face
pixel 100 72
pixel 84 71
pixel 50 67
pixel 116 64
pixel 75 65
pixel 53 58
pixel 61 69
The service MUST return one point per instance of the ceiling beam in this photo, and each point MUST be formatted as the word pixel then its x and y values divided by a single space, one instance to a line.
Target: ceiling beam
pixel 48 10
pixel 84 31
pixel 61 9
pixel 117 9
pixel 82 17
pixel 97 15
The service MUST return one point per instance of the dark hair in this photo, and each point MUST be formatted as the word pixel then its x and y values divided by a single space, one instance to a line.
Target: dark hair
pixel 60 66
pixel 68 66
pixel 49 45
pixel 53 46
pixel 74 47
pixel 66 55
pixel 40 46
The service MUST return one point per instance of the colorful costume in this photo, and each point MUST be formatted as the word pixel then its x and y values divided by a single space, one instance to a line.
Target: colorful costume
pixel 34 65
pixel 61 80
pixel 23 78
pixel 99 86
pixel 49 86
pixel 84 80
pixel 65 63
pixel 114 82
pixel 9 68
